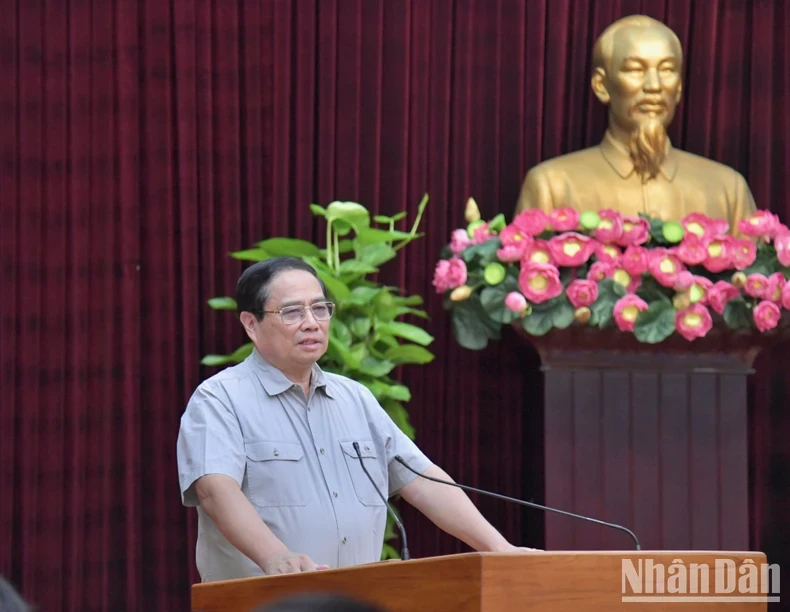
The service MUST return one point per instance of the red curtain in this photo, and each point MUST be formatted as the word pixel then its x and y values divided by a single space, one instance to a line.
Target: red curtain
pixel 143 141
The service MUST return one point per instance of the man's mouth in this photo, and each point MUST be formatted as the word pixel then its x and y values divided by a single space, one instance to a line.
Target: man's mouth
pixel 308 343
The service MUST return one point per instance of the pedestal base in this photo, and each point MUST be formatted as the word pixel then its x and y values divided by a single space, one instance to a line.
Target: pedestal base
pixel 651 437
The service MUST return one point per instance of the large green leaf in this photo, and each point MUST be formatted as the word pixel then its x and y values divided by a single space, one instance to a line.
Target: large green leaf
pixel 353 266
pixel 341 331
pixel 562 313
pixel 485 251
pixel 360 326
pixel 289 247
pixel 472 327
pixel 412 300
pixel 538 322
pixel 222 303
pixel 237 356
pixel 343 354
pixel 361 296
pixel 655 324
pixel 650 291
pixel 409 353
pixel 738 315
pixel 376 254
pixel 493 302
pixel 602 308
pixel 251 255
pixel 405 330
pixel 376 367
pixel 399 416
pixel 334 285
pixel 372 235
pixel 351 213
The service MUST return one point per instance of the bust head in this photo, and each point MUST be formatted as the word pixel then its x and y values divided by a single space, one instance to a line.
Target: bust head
pixel 637 72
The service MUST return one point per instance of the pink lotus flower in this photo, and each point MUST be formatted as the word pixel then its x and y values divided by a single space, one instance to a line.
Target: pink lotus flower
pixel 627 309
pixel 699 288
pixel 564 219
pixel 513 235
pixel 762 224
pixel 684 281
pixel 776 283
pixel 719 254
pixel 743 254
pixel 532 221
pixel 571 249
pixel 665 266
pixel 782 246
pixel 449 274
pixel 539 282
pixel 611 227
pixel 786 296
pixel 693 322
pixel 693 250
pixel 481 233
pixel 621 276
pixel 634 260
pixel 582 293
pixel 515 302
pixel 599 271
pixel 514 248
pixel 538 252
pixel 766 315
pixel 636 231
pixel 459 241
pixel 756 286
pixel 608 253
pixel 720 294
pixel 704 227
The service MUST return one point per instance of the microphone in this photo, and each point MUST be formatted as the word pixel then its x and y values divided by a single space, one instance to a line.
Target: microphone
pixel 404 554
pixel 522 502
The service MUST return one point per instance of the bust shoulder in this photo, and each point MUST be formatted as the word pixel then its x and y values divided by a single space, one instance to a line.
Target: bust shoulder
pixel 691 162
pixel 568 162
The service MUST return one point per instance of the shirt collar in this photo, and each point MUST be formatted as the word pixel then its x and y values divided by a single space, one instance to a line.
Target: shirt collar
pixel 275 382
pixel 620 160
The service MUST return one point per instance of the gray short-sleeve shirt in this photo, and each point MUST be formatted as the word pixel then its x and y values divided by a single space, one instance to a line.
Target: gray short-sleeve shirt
pixel 295 461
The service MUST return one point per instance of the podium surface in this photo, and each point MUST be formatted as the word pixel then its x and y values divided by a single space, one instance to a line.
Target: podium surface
pixel 538 582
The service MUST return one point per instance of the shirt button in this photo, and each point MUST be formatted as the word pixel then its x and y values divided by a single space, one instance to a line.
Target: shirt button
pixel 334 493
pixel 309 409
pixel 344 540
pixel 276 453
pixel 323 451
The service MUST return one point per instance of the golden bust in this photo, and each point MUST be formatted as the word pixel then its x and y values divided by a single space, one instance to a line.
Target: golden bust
pixel 637 72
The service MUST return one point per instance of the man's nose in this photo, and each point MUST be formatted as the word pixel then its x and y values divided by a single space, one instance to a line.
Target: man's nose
pixel 309 320
pixel 652 82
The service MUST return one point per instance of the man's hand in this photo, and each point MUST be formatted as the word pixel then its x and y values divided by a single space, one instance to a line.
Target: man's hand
pixel 289 563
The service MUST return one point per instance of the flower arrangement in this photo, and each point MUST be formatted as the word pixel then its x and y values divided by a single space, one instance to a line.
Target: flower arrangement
pixel 648 277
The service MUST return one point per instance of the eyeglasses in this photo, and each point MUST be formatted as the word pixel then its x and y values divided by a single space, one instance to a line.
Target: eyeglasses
pixel 290 315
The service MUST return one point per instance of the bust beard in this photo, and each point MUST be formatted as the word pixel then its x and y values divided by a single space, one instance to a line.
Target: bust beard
pixel 647 148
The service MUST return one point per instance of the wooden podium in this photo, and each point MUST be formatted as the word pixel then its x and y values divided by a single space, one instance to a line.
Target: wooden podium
pixel 538 582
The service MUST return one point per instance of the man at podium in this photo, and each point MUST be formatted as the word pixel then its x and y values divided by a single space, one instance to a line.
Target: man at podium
pixel 271 451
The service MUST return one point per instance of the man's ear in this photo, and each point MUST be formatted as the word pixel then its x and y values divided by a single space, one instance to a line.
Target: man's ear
pixel 248 321
pixel 679 94
pixel 598 83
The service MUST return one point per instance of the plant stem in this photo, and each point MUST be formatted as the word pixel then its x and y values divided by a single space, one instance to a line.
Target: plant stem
pixel 329 256
pixel 337 253
pixel 413 232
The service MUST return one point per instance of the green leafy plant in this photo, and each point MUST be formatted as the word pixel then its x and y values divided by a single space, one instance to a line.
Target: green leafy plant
pixel 368 336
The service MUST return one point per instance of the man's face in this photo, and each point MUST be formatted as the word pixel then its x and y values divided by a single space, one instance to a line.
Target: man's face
pixel 285 344
pixel 644 78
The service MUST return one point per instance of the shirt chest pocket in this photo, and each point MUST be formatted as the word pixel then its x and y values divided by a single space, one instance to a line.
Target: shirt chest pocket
pixel 362 485
pixel 276 473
